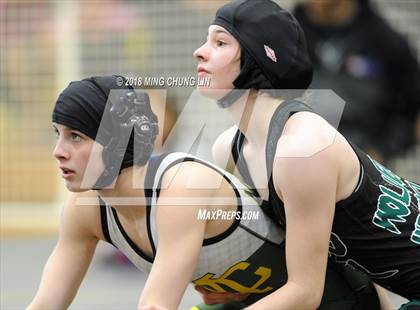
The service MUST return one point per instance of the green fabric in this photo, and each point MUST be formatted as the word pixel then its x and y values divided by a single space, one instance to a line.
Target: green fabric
pixel 229 306
pixel 412 305
pixel 347 290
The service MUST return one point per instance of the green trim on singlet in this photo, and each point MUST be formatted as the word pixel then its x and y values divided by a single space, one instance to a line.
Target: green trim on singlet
pixel 230 306
pixel 412 305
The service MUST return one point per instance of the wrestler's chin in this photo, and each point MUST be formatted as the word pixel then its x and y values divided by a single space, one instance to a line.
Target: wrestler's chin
pixel 78 185
pixel 75 187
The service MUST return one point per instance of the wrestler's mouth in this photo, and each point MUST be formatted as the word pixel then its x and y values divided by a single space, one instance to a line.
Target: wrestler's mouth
pixel 202 72
pixel 66 172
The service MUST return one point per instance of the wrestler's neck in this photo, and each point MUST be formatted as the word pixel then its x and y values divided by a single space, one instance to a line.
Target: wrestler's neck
pixel 252 114
pixel 127 192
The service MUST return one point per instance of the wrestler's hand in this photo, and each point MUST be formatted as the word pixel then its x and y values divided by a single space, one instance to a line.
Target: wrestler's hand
pixel 211 298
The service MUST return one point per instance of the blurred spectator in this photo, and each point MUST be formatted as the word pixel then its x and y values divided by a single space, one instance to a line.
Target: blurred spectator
pixel 367 63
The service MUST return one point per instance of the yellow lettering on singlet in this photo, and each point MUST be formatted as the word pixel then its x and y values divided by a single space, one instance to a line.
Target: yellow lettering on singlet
pixel 213 284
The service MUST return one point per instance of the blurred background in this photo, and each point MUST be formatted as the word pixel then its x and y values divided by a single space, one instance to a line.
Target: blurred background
pixel 46 44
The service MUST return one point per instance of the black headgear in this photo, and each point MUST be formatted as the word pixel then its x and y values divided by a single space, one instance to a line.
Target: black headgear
pixel 126 119
pixel 273 46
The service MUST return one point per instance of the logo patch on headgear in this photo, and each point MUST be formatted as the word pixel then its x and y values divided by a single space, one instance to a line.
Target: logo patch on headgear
pixel 130 117
pixel 270 53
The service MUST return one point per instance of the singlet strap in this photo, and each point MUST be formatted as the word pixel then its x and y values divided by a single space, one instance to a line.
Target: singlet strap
pixel 239 160
pixel 178 158
pixel 275 129
pixel 237 143
pixel 277 123
pixel 149 179
pixel 104 220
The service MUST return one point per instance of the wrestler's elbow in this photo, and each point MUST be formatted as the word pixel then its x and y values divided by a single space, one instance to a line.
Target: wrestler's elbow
pixel 312 299
pixel 309 295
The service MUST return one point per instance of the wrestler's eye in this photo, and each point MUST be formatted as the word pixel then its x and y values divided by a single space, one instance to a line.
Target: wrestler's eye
pixel 56 133
pixel 75 137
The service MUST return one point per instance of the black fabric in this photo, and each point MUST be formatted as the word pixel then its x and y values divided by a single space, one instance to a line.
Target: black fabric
pixel 250 75
pixel 104 221
pixel 374 71
pixel 261 24
pixel 242 166
pixel 149 183
pixel 390 258
pixel 130 241
pixel 149 179
pixel 277 123
pixel 82 103
pixel 125 117
pixel 131 129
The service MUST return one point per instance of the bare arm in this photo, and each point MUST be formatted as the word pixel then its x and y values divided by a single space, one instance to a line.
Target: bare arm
pixel 384 299
pixel 69 260
pixel 307 184
pixel 180 235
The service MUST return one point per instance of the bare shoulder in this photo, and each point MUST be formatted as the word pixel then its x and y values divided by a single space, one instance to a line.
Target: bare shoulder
pixel 197 185
pixel 81 215
pixel 305 135
pixel 222 146
pixel 190 175
pixel 312 153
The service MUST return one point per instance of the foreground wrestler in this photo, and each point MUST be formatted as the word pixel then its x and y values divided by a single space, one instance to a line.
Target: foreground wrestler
pixel 151 211
pixel 333 199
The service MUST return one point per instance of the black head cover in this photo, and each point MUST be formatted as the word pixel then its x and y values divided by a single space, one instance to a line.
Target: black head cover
pixel 115 116
pixel 274 52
